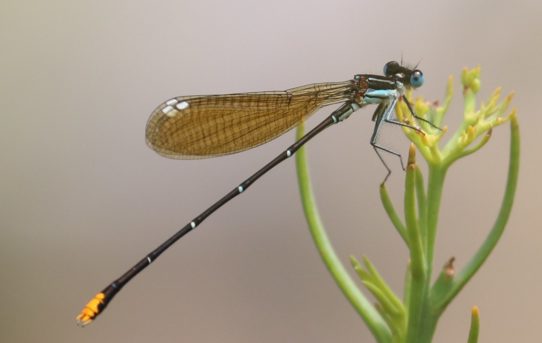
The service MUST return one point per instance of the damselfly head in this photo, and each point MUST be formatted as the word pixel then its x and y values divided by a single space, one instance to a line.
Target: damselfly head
pixel 410 77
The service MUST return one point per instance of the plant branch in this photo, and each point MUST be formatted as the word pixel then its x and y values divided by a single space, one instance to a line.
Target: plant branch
pixel 361 304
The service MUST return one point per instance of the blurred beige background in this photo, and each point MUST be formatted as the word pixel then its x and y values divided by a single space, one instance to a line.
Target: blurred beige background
pixel 83 198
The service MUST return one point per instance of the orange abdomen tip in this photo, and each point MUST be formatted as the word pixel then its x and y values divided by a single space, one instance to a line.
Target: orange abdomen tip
pixel 91 310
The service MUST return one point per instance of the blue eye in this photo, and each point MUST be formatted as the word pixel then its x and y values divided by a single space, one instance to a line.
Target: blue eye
pixel 416 79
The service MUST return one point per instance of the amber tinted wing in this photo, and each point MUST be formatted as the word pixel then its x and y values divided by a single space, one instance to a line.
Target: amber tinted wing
pixel 213 125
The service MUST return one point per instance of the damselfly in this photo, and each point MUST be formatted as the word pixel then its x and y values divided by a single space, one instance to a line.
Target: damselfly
pixel 188 127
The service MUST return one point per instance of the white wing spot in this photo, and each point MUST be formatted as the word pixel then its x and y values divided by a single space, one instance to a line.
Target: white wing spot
pixel 182 105
pixel 172 102
pixel 240 189
pixel 167 109
pixel 193 225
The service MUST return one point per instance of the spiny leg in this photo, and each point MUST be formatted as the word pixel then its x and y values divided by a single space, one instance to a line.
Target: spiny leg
pixel 417 117
pixel 383 111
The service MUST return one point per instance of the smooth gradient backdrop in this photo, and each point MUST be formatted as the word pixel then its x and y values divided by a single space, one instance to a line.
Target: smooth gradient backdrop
pixel 82 198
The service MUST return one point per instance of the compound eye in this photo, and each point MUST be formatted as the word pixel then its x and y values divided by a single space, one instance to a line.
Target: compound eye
pixel 391 68
pixel 416 79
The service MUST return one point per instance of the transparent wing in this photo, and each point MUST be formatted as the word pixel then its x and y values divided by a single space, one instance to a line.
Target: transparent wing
pixel 189 127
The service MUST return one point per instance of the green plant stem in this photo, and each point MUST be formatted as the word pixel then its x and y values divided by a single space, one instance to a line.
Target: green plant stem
pixel 498 228
pixel 474 325
pixel 419 287
pixel 422 317
pixel 361 304
pixel 392 214
pixel 435 185
pixel 417 258
pixel 422 205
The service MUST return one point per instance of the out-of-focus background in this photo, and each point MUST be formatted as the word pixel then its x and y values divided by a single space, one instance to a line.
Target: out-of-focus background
pixel 83 198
